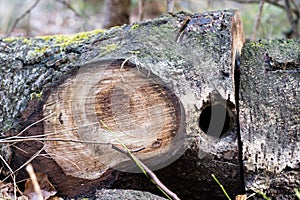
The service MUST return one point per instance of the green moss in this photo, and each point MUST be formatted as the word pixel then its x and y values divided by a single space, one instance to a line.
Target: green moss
pixel 37 95
pixel 27 41
pixel 134 26
pixel 257 44
pixel 135 52
pixel 65 40
pixel 61 40
pixel 109 48
pixel 10 39
pixel 114 27
pixel 41 50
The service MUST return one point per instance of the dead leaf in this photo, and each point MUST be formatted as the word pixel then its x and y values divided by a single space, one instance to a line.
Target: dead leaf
pixel 55 198
pixel 7 190
pixel 241 197
pixel 47 188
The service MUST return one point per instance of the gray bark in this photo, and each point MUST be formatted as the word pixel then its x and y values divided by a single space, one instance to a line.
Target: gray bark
pixel 192 56
pixel 269 117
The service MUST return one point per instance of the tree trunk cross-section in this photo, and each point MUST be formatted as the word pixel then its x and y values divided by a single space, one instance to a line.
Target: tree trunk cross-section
pixel 137 108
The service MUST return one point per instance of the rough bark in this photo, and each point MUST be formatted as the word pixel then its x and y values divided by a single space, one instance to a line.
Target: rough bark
pixel 181 70
pixel 269 116
pixel 108 194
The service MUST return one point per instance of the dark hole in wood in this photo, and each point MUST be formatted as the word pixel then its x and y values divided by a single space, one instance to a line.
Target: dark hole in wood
pixel 212 126
pixel 60 119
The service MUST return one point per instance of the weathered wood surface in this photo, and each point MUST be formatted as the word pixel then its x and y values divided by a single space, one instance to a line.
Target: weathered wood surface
pixel 270 116
pixel 187 59
pixel 192 72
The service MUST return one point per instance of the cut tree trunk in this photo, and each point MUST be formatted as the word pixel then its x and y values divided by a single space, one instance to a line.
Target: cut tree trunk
pixel 165 88
pixel 269 116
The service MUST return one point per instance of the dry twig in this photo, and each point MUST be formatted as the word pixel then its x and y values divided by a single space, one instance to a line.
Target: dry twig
pixel 40 138
pixel 26 163
pixel 35 183
pixel 9 31
pixel 12 175
pixel 147 170
pixel 69 6
pixel 257 21
pixel 272 2
pixel 292 21
pixel 141 9
pixel 50 115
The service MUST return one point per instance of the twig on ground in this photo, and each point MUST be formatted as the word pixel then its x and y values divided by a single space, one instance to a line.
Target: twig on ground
pixel 12 175
pixel 147 170
pixel 27 162
pixel 257 21
pixel 168 193
pixel 10 30
pixel 35 183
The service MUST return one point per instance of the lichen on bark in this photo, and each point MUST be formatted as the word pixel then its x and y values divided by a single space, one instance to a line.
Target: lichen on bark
pixel 269 116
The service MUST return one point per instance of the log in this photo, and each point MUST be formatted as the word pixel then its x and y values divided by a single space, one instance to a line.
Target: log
pixel 269 116
pixel 164 87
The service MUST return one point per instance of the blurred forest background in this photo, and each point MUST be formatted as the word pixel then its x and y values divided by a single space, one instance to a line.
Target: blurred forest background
pixel 261 18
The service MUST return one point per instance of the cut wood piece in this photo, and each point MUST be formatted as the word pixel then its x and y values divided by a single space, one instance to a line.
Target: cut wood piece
pixel 112 104
pixel 269 116
pixel 168 87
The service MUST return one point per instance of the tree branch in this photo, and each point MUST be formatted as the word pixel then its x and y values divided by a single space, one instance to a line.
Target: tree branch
pixel 257 21
pixel 141 9
pixel 294 23
pixel 147 170
pixel 68 5
pixel 275 3
pixel 9 31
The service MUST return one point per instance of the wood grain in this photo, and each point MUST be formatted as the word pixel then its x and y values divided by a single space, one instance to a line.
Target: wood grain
pixel 138 109
pixel 180 71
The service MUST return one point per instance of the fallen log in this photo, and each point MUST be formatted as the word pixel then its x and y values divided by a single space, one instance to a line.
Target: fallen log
pixel 269 116
pixel 165 88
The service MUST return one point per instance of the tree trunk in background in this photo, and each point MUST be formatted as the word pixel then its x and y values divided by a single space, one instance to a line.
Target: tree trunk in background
pixel 117 13
pixel 171 5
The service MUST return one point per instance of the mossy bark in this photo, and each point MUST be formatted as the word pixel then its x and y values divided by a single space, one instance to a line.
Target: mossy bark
pixel 269 116
pixel 193 55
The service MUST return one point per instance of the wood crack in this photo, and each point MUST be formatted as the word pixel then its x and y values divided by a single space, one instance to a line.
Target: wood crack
pixel 240 143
